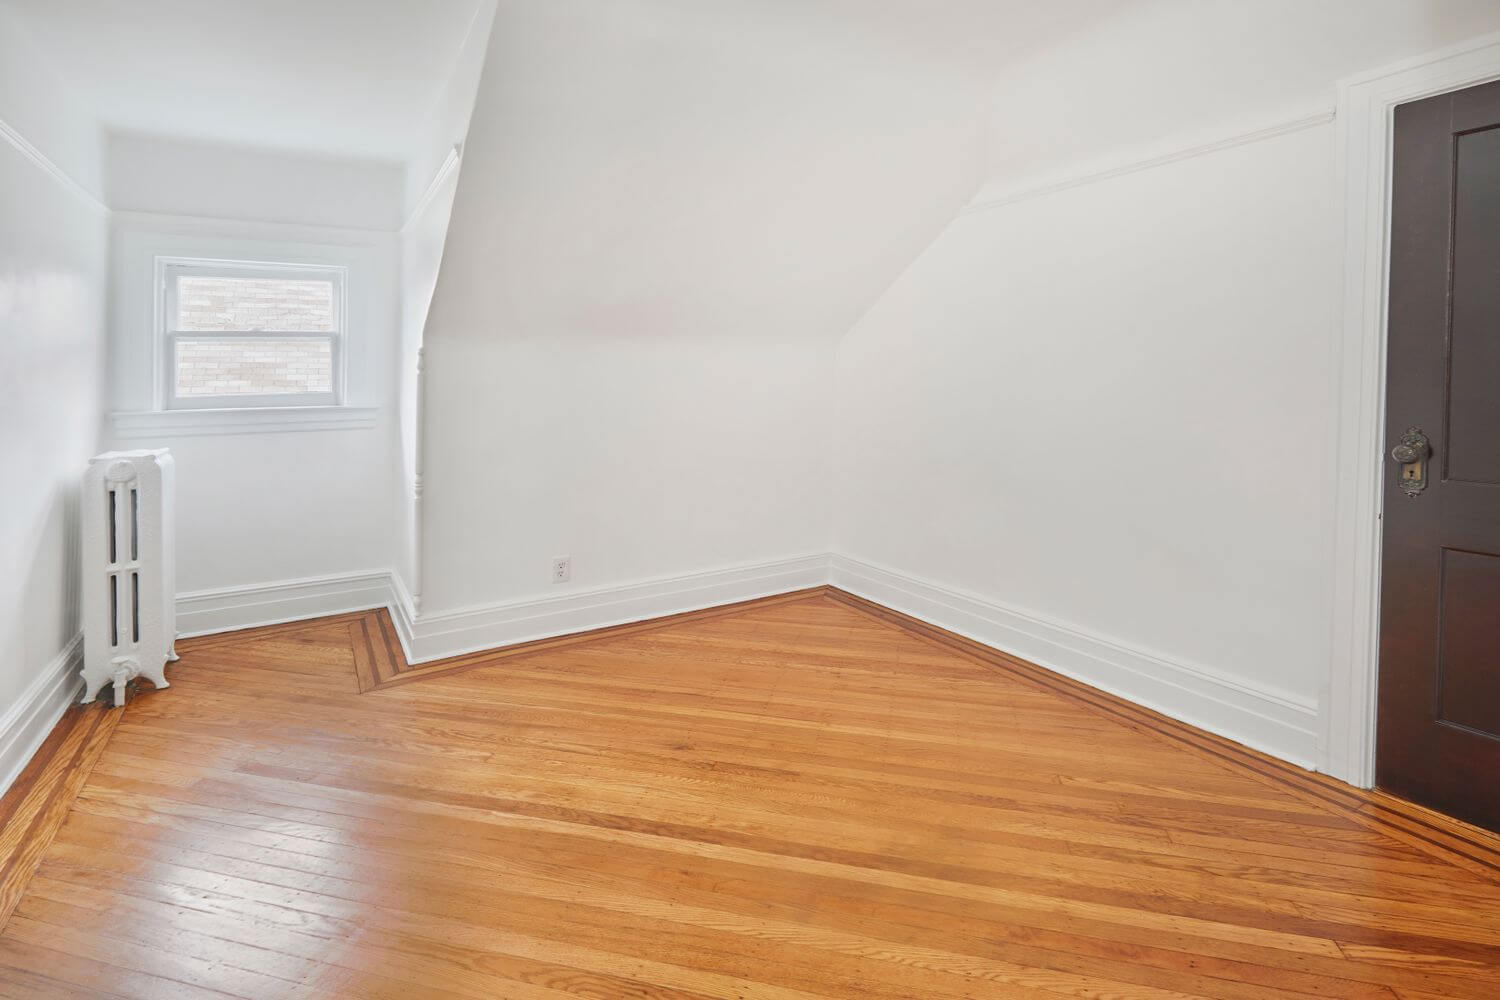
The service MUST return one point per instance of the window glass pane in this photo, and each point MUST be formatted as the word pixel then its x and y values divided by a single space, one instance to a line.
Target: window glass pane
pixel 238 366
pixel 230 304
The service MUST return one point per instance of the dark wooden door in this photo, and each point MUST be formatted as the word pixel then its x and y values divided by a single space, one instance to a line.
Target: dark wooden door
pixel 1438 739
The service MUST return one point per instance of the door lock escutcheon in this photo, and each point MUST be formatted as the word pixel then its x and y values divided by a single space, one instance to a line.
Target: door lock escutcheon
pixel 1410 454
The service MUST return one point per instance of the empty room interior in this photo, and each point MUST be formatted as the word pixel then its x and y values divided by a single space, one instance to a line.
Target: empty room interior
pixel 748 499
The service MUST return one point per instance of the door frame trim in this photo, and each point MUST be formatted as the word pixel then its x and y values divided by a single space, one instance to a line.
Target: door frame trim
pixel 1365 130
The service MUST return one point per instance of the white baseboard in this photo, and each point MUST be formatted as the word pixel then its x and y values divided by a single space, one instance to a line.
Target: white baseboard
pixel 28 722
pixel 1276 722
pixel 403 609
pixel 450 633
pixel 426 637
pixel 232 608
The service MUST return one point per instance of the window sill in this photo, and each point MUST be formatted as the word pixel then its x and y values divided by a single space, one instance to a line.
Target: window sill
pixel 247 420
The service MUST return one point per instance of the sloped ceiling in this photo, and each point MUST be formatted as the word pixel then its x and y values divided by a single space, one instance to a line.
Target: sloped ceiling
pixel 756 168
pixel 346 78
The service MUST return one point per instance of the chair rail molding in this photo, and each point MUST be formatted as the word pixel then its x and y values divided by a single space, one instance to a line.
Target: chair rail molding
pixel 1365 119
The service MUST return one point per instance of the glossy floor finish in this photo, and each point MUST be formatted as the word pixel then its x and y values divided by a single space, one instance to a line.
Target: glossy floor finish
pixel 798 798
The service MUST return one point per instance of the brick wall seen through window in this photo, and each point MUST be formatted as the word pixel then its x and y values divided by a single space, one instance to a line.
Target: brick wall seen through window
pixel 253 366
pixel 208 309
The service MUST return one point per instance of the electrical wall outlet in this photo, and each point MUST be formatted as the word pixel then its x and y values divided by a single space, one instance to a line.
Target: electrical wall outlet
pixel 562 569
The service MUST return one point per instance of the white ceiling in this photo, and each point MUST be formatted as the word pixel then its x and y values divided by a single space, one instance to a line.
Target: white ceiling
pixel 348 78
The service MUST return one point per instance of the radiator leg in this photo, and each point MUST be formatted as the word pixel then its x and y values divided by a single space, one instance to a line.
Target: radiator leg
pixel 121 678
pixel 158 677
pixel 91 686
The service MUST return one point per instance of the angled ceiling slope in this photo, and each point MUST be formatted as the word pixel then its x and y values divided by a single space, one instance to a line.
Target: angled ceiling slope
pixel 344 78
pixel 749 168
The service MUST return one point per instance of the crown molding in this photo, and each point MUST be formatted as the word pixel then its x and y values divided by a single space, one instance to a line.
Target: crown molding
pixel 450 163
pixel 41 161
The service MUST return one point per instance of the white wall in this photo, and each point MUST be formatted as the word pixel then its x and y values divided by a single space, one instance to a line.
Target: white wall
pixel 256 507
pixel 660 457
pixel 657 236
pixel 1073 413
pixel 1093 425
pixel 431 182
pixel 261 507
pixel 422 242
pixel 52 323
pixel 1161 69
pixel 172 177
pixel 1073 407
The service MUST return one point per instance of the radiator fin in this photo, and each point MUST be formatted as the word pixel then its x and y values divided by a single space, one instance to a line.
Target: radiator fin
pixel 129 599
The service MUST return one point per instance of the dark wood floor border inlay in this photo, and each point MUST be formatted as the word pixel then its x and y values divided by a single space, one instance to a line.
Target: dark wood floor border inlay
pixel 34 808
pixel 1443 837
pixel 279 630
pixel 38 802
pixel 813 797
pixel 380 662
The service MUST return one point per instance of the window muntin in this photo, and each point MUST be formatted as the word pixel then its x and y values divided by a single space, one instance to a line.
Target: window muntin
pixel 243 334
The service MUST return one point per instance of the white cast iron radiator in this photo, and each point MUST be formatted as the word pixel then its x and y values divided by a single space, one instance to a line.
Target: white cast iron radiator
pixel 129 571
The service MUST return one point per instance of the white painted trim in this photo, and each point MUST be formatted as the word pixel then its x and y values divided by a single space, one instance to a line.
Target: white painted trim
pixel 169 269
pixel 432 637
pixel 1278 722
pixel 450 633
pixel 26 723
pixel 237 420
pixel 216 227
pixel 418 463
pixel 1275 721
pixel 450 163
pixel 404 610
pixel 232 608
pixel 41 160
pixel 1365 112
pixel 992 196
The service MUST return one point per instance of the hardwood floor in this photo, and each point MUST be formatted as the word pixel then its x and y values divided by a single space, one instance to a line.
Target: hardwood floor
pixel 804 797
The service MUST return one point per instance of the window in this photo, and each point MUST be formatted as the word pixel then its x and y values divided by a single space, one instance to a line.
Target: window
pixel 242 334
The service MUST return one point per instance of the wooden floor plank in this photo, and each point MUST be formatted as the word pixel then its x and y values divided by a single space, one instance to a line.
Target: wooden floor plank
pixel 36 805
pixel 796 798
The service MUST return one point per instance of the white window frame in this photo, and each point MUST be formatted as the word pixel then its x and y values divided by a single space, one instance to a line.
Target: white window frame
pixel 169 269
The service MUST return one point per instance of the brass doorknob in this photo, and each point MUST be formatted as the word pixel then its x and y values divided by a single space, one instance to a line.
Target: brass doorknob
pixel 1413 447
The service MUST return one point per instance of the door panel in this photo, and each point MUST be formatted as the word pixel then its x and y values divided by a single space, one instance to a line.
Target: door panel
pixel 1474 373
pixel 1468 683
pixel 1438 738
